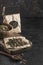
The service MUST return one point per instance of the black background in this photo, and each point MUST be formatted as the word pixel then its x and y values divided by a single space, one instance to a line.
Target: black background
pixel 32 27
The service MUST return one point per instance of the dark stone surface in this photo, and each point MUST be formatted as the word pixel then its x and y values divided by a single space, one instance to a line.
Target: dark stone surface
pixel 32 27
pixel 34 56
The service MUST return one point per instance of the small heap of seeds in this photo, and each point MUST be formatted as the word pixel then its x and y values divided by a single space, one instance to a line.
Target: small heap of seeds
pixel 16 42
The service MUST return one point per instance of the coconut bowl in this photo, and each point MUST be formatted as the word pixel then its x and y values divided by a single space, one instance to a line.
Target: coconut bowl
pixel 5 29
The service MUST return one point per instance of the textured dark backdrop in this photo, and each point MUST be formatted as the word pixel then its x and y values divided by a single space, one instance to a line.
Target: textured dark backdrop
pixel 32 27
